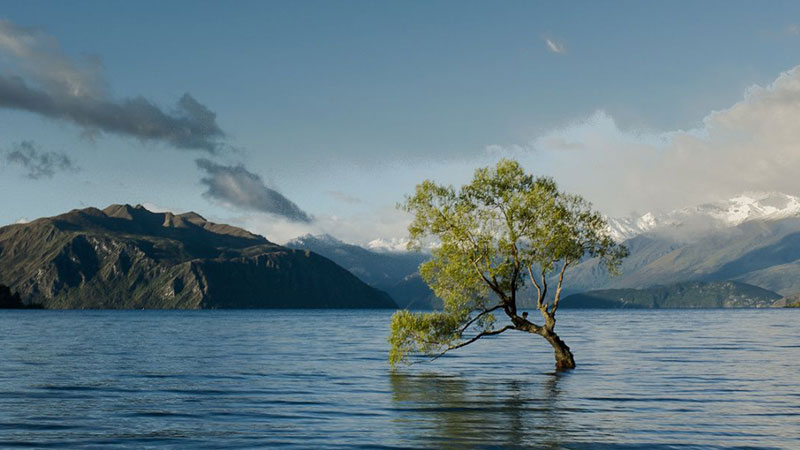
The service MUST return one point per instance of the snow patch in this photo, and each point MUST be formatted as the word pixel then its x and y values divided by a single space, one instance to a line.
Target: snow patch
pixel 732 212
pixel 388 245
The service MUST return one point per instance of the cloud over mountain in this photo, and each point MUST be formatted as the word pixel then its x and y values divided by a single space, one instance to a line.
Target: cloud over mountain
pixel 237 187
pixel 750 146
pixel 40 78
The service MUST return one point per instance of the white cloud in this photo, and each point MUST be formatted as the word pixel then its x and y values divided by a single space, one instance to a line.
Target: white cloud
pixel 555 46
pixel 752 146
pixel 154 207
pixel 383 223
pixel 40 57
pixel 388 245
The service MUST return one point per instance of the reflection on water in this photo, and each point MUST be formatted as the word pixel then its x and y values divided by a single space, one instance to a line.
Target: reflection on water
pixel 320 379
pixel 451 412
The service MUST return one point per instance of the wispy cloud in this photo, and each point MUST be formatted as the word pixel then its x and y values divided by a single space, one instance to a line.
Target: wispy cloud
pixel 39 77
pixel 345 198
pixel 388 223
pixel 235 186
pixel 555 46
pixel 793 30
pixel 39 164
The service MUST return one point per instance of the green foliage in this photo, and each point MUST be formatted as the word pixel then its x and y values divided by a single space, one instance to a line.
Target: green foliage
pixel 422 332
pixel 488 235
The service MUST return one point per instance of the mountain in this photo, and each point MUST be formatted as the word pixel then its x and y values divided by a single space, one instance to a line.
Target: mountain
pixel 764 206
pixel 764 253
pixel 374 268
pixel 790 301
pixel 715 294
pixel 392 271
pixel 129 257
pixel 394 245
pixel 752 238
pixel 10 300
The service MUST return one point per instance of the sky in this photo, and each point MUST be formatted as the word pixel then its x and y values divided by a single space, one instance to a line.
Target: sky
pixel 300 117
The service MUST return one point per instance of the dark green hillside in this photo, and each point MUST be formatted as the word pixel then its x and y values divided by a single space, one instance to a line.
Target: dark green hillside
pixel 129 257
pixel 792 301
pixel 717 294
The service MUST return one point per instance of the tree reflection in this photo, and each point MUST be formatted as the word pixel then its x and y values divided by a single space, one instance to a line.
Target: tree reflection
pixel 452 412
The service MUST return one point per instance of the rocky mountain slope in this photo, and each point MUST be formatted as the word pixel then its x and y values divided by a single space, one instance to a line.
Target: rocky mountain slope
pixel 391 271
pixel 9 300
pixel 764 253
pixel 129 257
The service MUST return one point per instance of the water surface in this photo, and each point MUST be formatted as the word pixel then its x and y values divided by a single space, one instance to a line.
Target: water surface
pixel 319 379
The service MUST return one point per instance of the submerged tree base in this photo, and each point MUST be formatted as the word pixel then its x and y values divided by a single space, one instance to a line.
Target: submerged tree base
pixel 563 355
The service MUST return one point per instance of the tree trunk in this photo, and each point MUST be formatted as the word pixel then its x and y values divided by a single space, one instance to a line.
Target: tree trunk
pixel 564 359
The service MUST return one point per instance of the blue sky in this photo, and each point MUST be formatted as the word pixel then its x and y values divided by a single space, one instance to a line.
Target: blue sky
pixel 343 106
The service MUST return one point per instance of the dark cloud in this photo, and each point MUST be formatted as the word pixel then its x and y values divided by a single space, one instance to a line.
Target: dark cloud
pixel 39 164
pixel 238 187
pixel 47 82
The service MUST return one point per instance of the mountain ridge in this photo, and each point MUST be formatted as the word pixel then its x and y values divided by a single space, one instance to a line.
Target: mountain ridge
pixel 745 207
pixel 129 257
pixel 392 271
pixel 764 253
pixel 692 294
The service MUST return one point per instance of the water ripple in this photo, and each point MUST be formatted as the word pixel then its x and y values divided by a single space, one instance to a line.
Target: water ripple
pixel 253 379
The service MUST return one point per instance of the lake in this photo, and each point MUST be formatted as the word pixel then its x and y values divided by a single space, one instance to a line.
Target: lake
pixel 320 379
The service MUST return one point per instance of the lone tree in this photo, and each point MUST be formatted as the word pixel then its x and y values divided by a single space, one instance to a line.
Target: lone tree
pixel 494 235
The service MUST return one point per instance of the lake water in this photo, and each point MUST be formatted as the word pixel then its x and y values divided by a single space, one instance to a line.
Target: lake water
pixel 320 379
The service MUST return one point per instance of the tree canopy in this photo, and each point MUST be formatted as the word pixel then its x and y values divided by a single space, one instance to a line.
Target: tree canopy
pixel 504 230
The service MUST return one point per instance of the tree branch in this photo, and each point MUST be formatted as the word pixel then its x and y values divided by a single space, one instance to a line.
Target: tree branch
pixel 478 336
pixel 523 324
pixel 544 287
pixel 485 311
pixel 454 229
pixel 543 306
pixel 489 282
pixel 558 289
pixel 538 289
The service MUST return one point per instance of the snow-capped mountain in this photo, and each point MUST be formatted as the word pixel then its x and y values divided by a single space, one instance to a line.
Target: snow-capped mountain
pixel 388 245
pixel 732 212
pixel 628 227
pixel 380 245
pixel 309 239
